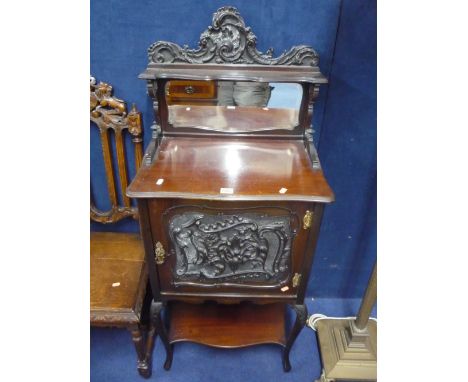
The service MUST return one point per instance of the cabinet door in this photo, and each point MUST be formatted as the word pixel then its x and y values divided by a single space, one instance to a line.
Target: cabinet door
pixel 208 246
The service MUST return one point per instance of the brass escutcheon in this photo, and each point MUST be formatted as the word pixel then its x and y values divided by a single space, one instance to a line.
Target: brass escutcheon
pixel 308 219
pixel 160 253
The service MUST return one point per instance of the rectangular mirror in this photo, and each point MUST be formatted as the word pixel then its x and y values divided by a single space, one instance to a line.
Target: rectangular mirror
pixel 233 106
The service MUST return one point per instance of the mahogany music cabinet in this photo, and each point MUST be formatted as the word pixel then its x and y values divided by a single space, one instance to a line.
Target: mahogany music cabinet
pixel 231 192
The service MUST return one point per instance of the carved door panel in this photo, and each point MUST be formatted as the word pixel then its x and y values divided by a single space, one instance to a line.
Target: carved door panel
pixel 211 247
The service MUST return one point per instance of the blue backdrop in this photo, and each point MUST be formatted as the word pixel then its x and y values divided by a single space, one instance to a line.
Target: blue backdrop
pixel 344 34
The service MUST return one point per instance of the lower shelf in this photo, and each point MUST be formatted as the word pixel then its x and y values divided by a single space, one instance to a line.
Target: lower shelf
pixel 227 326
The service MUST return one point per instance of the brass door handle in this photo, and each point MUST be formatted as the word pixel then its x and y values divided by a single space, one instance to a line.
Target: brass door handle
pixel 296 280
pixel 308 219
pixel 160 253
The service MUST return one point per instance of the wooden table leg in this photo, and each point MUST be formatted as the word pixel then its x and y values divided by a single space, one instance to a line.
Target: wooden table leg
pixel 301 318
pixel 156 308
pixel 143 364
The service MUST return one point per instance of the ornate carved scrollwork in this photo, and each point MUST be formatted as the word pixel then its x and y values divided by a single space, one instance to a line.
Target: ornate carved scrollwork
pixel 229 41
pixel 113 215
pixel 105 109
pixel 226 248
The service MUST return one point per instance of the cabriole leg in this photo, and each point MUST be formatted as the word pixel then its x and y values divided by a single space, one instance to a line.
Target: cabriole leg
pixel 150 346
pixel 156 308
pixel 301 317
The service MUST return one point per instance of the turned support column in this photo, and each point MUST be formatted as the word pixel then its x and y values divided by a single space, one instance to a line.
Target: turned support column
pixel 370 297
pixel 358 327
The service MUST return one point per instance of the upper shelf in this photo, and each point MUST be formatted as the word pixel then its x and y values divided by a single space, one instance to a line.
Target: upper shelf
pixel 234 72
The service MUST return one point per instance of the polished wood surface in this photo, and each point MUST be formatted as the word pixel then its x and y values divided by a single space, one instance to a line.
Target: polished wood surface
pixel 255 169
pixel 227 326
pixel 118 277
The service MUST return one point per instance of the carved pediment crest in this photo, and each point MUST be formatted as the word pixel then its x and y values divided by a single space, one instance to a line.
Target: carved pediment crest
pixel 229 41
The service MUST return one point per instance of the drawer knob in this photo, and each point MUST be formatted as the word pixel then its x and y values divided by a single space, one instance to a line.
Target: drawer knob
pixel 189 89
pixel 160 253
pixel 308 219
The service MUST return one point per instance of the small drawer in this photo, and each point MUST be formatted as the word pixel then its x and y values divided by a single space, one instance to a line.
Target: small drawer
pixel 191 90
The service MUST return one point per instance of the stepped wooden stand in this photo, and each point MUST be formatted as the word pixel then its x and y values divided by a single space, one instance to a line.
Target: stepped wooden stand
pixel 349 348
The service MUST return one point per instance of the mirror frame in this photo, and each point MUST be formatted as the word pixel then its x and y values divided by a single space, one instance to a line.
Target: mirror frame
pixel 297 131
pixel 214 129
pixel 227 51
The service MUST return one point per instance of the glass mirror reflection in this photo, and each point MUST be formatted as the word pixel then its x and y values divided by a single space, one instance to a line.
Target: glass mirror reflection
pixel 233 106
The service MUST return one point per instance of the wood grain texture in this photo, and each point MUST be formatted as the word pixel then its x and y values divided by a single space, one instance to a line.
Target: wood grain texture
pixel 107 156
pixel 191 92
pixel 120 148
pixel 227 326
pixel 110 113
pixel 116 258
pixel 255 169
